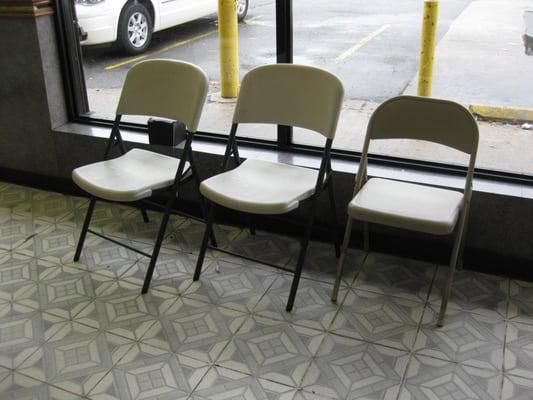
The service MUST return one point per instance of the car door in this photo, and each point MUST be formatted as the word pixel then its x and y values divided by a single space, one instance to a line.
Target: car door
pixel 175 12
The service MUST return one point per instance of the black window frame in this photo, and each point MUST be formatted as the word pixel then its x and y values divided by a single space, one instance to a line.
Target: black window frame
pixel 77 104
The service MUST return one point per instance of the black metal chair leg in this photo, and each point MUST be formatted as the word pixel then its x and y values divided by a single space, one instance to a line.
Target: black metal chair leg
pixel 145 215
pixel 158 242
pixel 334 219
pixel 85 228
pixel 205 213
pixel 301 260
pixel 203 248
pixel 251 223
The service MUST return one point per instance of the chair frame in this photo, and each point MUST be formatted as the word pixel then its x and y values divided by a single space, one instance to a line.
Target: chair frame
pixel 324 182
pixel 460 227
pixel 170 193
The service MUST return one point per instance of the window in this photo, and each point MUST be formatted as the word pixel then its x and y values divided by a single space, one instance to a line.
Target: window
pixel 483 56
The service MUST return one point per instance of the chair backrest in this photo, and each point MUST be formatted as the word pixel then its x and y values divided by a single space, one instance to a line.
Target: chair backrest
pixel 291 94
pixel 165 88
pixel 422 118
pixel 434 120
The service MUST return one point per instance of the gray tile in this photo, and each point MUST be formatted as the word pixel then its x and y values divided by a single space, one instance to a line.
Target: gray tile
pixel 16 199
pixel 272 350
pixel 516 388
pixel 21 387
pixel 396 276
pixel 521 302
pixel 473 292
pixel 173 272
pixel 102 257
pixel 231 285
pixel 264 246
pixel 386 320
pixel 122 309
pixel 471 339
pixel 146 372
pixel 195 329
pixel 222 383
pixel 76 358
pixel 349 369
pixel 321 263
pixel 519 350
pixel 186 235
pixel 430 378
pixel 312 307
pixel 22 335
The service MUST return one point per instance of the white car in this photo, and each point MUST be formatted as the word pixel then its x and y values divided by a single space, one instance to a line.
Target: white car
pixel 131 23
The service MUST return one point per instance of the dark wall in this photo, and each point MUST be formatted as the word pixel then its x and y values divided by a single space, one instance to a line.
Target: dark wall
pixel 32 105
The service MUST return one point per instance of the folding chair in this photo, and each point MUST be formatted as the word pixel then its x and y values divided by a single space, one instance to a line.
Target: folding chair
pixel 284 94
pixel 161 88
pixel 413 206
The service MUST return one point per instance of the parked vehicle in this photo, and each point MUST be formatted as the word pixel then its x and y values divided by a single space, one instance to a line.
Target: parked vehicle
pixel 130 23
pixel 528 36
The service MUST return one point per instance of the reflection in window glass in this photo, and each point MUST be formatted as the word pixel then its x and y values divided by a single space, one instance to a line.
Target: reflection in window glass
pixel 116 34
pixel 484 56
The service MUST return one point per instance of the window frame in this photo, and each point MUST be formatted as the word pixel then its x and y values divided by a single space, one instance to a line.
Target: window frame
pixel 77 104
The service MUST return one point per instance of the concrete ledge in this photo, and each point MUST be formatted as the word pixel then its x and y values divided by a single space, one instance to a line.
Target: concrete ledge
pixel 510 114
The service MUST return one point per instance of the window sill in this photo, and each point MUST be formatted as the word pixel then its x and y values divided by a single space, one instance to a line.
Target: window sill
pixel 417 175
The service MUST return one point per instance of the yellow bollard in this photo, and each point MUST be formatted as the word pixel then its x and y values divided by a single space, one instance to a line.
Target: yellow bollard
pixel 427 47
pixel 228 47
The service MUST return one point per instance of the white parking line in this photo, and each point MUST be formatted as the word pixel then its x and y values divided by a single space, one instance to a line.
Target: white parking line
pixel 348 53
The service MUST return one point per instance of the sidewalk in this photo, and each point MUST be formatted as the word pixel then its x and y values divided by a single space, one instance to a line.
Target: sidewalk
pixel 502 146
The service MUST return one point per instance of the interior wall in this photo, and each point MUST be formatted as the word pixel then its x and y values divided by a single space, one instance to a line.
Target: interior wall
pixel 32 105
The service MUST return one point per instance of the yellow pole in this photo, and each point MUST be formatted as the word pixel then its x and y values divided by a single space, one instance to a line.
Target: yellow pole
pixel 229 48
pixel 427 47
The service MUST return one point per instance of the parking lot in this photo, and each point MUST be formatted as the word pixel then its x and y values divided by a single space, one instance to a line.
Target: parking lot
pixel 373 47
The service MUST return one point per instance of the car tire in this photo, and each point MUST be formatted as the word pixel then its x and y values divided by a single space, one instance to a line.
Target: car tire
pixel 135 28
pixel 242 9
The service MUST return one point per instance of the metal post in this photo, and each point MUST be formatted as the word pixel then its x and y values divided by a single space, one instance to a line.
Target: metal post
pixel 228 47
pixel 427 47
pixel 284 53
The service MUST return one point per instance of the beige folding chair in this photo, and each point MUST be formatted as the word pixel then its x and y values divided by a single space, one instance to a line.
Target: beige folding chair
pixel 284 94
pixel 161 88
pixel 407 205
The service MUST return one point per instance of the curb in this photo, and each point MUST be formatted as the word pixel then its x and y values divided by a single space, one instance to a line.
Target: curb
pixel 502 113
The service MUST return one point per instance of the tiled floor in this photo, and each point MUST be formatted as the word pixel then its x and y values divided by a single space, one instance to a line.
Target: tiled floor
pixel 83 330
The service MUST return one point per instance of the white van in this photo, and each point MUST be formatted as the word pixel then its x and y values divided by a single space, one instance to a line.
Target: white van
pixel 131 23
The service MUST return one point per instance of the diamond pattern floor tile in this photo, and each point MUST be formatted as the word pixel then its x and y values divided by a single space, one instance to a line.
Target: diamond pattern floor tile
pixel 519 350
pixel 472 339
pixel 72 330
pixel 473 292
pixel 147 372
pixel 349 369
pixel 430 378
pixel 76 358
pixel 396 276
pixel 231 285
pixel 272 350
pixel 195 329
pixel 222 383
pixel 21 387
pixel 312 307
pixel 390 321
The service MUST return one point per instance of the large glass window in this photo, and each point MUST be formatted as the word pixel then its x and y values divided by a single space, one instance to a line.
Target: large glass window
pixel 484 56
pixel 116 34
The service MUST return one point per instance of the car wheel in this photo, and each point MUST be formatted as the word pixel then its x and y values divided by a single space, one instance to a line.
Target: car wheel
pixel 242 9
pixel 134 28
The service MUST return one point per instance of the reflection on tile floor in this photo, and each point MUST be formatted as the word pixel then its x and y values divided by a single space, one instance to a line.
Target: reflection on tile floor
pixel 74 330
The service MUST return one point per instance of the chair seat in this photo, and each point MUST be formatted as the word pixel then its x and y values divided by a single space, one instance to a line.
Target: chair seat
pixel 130 177
pixel 407 205
pixel 261 187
